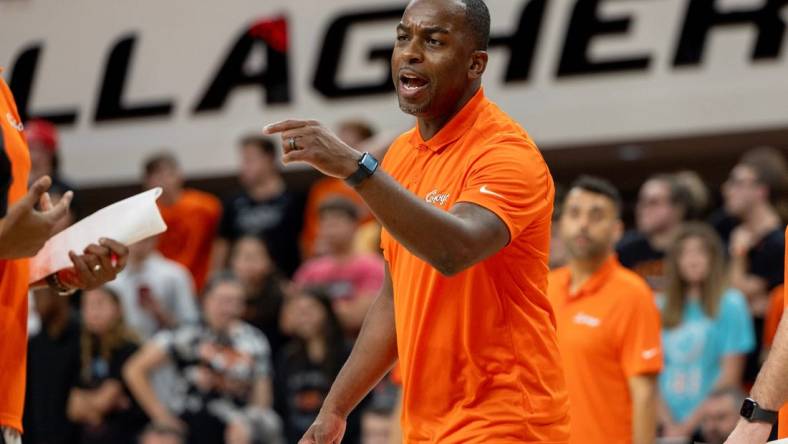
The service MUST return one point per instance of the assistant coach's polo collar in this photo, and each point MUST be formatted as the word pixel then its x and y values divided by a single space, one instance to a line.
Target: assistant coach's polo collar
pixel 596 281
pixel 454 128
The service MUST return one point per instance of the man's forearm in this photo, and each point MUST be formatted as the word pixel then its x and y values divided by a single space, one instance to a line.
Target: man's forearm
pixel 440 238
pixel 643 392
pixel 373 356
pixel 771 387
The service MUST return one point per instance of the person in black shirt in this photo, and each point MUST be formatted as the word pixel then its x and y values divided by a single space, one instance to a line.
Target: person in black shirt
pixel 265 295
pixel 52 371
pixel 309 363
pixel 264 208
pixel 663 204
pixel 101 402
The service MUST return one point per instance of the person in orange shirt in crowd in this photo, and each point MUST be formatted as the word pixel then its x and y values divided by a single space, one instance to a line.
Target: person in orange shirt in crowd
pixel 23 232
pixel 353 133
pixel 465 199
pixel 769 392
pixel 608 324
pixel 192 217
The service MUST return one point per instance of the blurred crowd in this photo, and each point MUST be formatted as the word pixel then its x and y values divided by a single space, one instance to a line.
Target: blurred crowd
pixel 231 326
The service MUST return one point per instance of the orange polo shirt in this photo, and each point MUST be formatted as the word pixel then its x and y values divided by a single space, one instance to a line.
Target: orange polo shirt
pixel 478 352
pixel 191 229
pixel 14 275
pixel 784 411
pixel 608 331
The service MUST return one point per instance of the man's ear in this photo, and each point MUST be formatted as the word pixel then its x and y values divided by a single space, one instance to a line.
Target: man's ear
pixel 478 64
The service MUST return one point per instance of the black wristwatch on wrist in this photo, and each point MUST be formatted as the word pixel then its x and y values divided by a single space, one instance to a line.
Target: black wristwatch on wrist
pixel 366 167
pixel 752 412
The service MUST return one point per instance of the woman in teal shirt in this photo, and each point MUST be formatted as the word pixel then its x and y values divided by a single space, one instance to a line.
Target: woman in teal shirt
pixel 707 329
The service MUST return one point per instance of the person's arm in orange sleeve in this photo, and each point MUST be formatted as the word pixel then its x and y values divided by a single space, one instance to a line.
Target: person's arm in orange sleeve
pixel 770 391
pixel 373 355
pixel 643 391
pixel 449 241
pixel 641 361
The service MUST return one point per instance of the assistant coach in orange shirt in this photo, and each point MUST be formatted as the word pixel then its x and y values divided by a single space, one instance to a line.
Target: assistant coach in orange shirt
pixel 465 200
pixel 769 392
pixel 608 324
pixel 23 232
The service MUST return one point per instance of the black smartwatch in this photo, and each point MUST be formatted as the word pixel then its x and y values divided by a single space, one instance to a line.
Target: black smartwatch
pixel 752 412
pixel 366 167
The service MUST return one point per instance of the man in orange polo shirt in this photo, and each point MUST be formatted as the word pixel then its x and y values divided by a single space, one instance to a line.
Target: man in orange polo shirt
pixel 465 200
pixel 23 232
pixel 608 324
pixel 769 392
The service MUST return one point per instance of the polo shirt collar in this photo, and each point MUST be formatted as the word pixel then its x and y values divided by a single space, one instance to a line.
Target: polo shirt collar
pixel 595 282
pixel 454 128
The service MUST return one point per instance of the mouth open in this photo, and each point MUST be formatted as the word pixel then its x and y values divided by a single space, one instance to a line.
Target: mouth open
pixel 412 84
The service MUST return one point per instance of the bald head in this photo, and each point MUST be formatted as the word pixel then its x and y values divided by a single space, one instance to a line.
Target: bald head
pixel 477 19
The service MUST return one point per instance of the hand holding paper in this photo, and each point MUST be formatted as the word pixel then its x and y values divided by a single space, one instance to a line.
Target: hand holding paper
pixel 120 224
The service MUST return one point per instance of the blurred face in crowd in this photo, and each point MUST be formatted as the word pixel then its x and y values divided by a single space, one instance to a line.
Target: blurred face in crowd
pixel 100 311
pixel 337 231
pixel 256 166
pixel 742 191
pixel 720 415
pixel 432 57
pixel 250 261
pixel 167 176
pixel 351 135
pixel 41 161
pixel 307 316
pixel 589 225
pixel 140 251
pixel 694 261
pixel 375 429
pixel 224 304
pixel 655 212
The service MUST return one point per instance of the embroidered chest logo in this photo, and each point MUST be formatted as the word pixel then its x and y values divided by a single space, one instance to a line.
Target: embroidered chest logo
pixel 585 319
pixel 435 197
pixel 13 122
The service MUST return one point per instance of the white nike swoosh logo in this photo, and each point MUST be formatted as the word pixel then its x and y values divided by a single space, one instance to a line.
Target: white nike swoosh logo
pixel 484 190
pixel 650 353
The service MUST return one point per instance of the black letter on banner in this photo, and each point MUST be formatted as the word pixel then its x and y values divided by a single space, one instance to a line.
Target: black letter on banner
pixel 273 78
pixel 110 106
pixel 583 27
pixel 702 16
pixel 21 84
pixel 325 79
pixel 522 44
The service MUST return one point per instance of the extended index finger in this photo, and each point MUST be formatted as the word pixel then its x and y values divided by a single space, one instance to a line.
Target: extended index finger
pixel 285 125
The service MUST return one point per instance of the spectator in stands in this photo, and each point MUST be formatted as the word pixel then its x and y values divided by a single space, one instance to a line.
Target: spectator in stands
pixel 720 415
pixel 156 293
pixel 757 243
pixel 698 192
pixel 158 434
pixel 224 373
pixel 707 329
pixel 264 286
pixel 351 279
pixel 192 217
pixel 309 363
pixel 101 403
pixel 376 426
pixel 353 133
pixel 43 141
pixel 53 366
pixel 663 204
pixel 264 208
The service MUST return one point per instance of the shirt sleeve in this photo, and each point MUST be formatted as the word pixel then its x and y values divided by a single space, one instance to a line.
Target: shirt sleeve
pixel 5 175
pixel 511 179
pixel 736 327
pixel 639 335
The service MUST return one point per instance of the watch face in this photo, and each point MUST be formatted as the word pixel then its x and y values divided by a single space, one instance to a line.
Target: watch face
pixel 747 408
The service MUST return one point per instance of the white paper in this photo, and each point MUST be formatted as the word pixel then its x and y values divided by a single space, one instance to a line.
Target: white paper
pixel 128 221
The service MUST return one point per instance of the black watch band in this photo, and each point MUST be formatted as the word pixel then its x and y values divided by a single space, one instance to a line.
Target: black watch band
pixel 367 166
pixel 752 412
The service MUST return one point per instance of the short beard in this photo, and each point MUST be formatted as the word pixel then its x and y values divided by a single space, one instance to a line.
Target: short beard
pixel 415 110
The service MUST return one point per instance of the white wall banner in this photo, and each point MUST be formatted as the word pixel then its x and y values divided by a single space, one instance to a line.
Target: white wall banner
pixel 123 79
